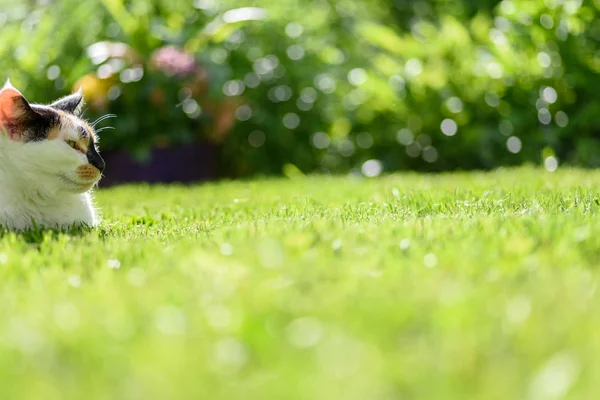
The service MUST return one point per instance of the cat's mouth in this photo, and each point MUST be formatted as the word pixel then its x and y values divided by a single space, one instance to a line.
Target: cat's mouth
pixel 77 186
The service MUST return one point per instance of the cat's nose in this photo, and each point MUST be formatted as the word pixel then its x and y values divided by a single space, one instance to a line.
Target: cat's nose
pixel 95 159
pixel 99 163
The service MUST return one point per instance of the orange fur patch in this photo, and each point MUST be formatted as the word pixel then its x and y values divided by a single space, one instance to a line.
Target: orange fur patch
pixel 54 133
pixel 87 171
pixel 67 121
pixel 9 109
pixel 64 123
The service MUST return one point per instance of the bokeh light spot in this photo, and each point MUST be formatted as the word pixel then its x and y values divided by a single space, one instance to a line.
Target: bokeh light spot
pixel 506 128
pixel 555 377
pixel 251 80
pixel 303 105
pixel 495 70
pixel 551 163
pixel 294 30
pixel 397 83
pixel 454 105
pixel 295 52
pixel 546 21
pixel 405 136
pixel 308 95
pixel 243 112
pixel 53 72
pixel 105 71
pixel 372 168
pixel 492 99
pixel 291 120
pixel 256 138
pixel 244 14
pixel 325 83
pixel 513 144
pixel 404 244
pixel 233 88
pixel 449 127
pixel 413 67
pixel 544 116
pixel 549 95
pixel 413 149
pixel 544 59
pixel 219 55
pixel 226 249
pixel 430 154
pixel 357 76
pixel 430 260
pixel 191 108
pixel 320 140
pixel 280 94
pixel 562 119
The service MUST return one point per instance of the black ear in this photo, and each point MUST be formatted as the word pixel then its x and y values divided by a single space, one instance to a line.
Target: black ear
pixel 71 103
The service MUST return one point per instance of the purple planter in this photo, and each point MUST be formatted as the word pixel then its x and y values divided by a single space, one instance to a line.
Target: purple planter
pixel 194 162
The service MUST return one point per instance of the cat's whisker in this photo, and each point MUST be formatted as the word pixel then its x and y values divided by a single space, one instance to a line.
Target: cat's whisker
pixel 102 118
pixel 105 128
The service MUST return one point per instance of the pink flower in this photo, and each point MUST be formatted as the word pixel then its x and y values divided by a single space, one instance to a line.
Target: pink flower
pixel 173 61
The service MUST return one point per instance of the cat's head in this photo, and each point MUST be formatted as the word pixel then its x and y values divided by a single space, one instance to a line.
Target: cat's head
pixel 48 145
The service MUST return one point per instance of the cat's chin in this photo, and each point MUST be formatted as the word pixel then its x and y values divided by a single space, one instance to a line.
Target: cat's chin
pixel 73 186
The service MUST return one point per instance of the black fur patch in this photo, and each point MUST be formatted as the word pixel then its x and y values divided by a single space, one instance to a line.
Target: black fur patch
pixel 39 122
pixel 94 158
pixel 32 124
pixel 71 103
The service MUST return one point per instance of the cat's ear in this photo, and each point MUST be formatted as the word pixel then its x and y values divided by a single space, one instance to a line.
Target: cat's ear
pixel 72 103
pixel 15 112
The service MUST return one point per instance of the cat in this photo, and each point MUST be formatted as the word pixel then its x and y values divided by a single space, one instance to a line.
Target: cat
pixel 49 163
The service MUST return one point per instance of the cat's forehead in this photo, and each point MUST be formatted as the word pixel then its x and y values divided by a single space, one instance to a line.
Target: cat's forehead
pixel 63 121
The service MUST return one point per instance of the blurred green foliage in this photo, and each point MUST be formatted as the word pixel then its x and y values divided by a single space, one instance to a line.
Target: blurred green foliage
pixel 324 85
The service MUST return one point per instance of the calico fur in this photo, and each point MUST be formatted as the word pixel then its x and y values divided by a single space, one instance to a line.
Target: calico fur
pixel 49 163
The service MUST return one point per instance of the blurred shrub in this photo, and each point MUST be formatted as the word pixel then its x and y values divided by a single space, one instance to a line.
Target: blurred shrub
pixel 324 85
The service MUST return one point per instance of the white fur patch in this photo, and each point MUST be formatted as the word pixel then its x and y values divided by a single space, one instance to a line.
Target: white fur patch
pixel 39 186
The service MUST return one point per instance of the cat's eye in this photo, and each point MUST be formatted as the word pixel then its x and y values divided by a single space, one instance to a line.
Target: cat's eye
pixel 72 144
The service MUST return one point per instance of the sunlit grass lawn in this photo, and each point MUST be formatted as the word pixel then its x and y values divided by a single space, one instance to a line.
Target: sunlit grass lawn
pixel 479 286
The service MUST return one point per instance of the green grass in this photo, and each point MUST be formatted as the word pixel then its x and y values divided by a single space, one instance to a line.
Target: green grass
pixel 479 286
